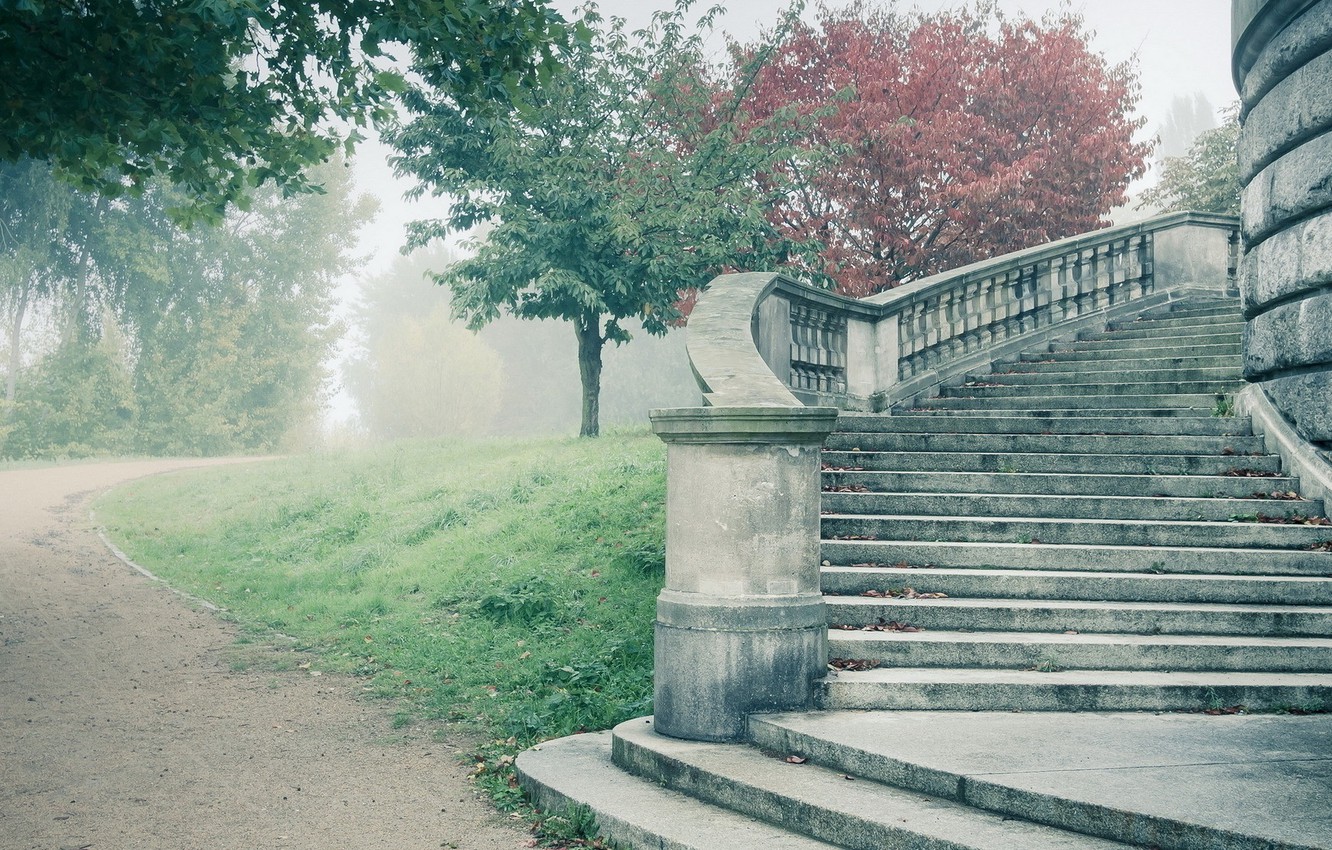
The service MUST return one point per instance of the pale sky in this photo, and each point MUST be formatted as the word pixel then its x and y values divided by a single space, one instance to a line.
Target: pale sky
pixel 1182 47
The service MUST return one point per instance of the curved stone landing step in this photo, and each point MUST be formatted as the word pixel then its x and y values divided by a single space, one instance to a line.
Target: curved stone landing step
pixel 1177 782
pixel 635 813
pixel 835 806
pixel 924 689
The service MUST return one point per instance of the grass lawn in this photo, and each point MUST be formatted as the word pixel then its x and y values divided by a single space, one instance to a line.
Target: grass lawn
pixel 507 585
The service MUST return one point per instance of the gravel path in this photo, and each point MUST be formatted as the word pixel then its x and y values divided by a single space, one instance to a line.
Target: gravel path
pixel 125 725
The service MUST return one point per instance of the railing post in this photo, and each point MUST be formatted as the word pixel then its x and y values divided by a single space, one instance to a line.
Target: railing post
pixel 741 626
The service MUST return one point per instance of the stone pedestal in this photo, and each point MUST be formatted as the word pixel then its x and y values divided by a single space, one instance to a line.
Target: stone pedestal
pixel 740 625
pixel 1283 68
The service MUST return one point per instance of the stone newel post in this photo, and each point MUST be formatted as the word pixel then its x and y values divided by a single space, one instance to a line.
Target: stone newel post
pixel 740 624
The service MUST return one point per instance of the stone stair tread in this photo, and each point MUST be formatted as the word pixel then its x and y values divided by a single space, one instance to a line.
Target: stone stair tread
pixel 817 799
pixel 634 812
pixel 1132 678
pixel 1058 556
pixel 1063 521
pixel 1056 484
pixel 898 576
pixel 1057 639
pixel 1211 608
pixel 1073 506
pixel 1178 781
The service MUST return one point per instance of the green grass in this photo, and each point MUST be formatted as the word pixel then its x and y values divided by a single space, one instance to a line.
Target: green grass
pixel 501 584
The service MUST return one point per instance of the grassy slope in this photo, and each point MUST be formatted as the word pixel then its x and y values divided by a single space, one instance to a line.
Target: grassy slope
pixel 503 583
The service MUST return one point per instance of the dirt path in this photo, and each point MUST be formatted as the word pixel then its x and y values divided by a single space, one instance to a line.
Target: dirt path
pixel 123 725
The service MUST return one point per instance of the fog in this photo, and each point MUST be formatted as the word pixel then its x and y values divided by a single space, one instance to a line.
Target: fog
pixel 1181 48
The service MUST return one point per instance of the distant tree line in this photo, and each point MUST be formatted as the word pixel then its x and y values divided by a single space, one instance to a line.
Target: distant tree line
pixel 127 333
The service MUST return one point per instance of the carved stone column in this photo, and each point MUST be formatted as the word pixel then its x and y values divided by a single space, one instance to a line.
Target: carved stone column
pixel 741 626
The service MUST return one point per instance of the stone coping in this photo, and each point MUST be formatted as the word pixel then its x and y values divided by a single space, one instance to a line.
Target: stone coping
pixel 792 426
pixel 1299 457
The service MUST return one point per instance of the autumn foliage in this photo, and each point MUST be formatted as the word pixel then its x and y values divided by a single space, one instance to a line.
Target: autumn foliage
pixel 939 139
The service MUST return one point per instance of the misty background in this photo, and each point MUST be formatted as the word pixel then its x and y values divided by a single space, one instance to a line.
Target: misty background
pixel 521 376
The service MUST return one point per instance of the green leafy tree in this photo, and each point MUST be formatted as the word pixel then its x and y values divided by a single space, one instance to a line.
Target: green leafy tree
pixel 626 179
pixel 1206 178
pixel 223 95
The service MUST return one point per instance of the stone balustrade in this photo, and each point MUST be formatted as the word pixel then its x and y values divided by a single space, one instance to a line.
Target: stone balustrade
pixel 741 625
pixel 906 342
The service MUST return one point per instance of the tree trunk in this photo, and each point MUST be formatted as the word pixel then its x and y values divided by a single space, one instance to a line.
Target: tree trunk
pixel 15 348
pixel 590 342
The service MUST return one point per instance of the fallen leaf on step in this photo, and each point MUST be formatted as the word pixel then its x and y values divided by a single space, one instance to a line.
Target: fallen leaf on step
pixel 795 759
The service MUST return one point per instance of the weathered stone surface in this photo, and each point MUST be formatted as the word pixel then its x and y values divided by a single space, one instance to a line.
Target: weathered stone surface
pixel 741 622
pixel 1296 185
pixel 1288 263
pixel 1290 336
pixel 1296 109
pixel 1306 37
pixel 1306 400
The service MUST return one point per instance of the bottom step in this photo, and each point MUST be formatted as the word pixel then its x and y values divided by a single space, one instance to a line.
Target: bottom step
pixel 635 813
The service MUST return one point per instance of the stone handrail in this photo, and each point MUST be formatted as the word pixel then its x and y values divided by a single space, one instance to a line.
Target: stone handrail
pixel 764 339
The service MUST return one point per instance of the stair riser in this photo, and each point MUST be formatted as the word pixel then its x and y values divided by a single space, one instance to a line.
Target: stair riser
pixel 1198 402
pixel 1045 443
pixel 1014 656
pixel 997 617
pixel 1109 533
pixel 1172 426
pixel 1005 462
pixel 1020 556
pixel 1174 486
pixel 1228 364
pixel 839 828
pixel 1065 507
pixel 946 696
pixel 1231 373
pixel 1117 414
pixel 1081 352
pixel 1130 388
pixel 984 584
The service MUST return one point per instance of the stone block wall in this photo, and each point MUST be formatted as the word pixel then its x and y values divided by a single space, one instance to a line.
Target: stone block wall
pixel 1283 70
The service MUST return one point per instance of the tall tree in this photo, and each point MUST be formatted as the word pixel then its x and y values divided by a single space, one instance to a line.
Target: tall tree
pixel 223 95
pixel 956 135
pixel 1206 177
pixel 625 180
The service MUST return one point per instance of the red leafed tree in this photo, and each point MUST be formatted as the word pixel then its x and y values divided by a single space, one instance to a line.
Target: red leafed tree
pixel 946 138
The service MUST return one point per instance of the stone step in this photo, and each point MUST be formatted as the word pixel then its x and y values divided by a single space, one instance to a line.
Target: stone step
pixel 1053 484
pixel 1096 558
pixel 1065 506
pixel 1152 347
pixel 963 689
pixel 1088 387
pixel 1062 615
pixel 1102 375
pixel 1122 444
pixel 1170 322
pixel 1040 366
pixel 1234 328
pixel 1196 402
pixel 1082 351
pixel 1238 535
pixel 822 803
pixel 1080 585
pixel 636 813
pixel 1049 653
pixel 1136 414
pixel 1184 310
pixel 987 423
pixel 1020 462
pixel 1166 781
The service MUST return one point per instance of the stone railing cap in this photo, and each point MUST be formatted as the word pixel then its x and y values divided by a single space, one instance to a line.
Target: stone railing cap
pixel 758 424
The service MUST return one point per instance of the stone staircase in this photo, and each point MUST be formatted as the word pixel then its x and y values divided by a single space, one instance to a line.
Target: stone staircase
pixel 1077 531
